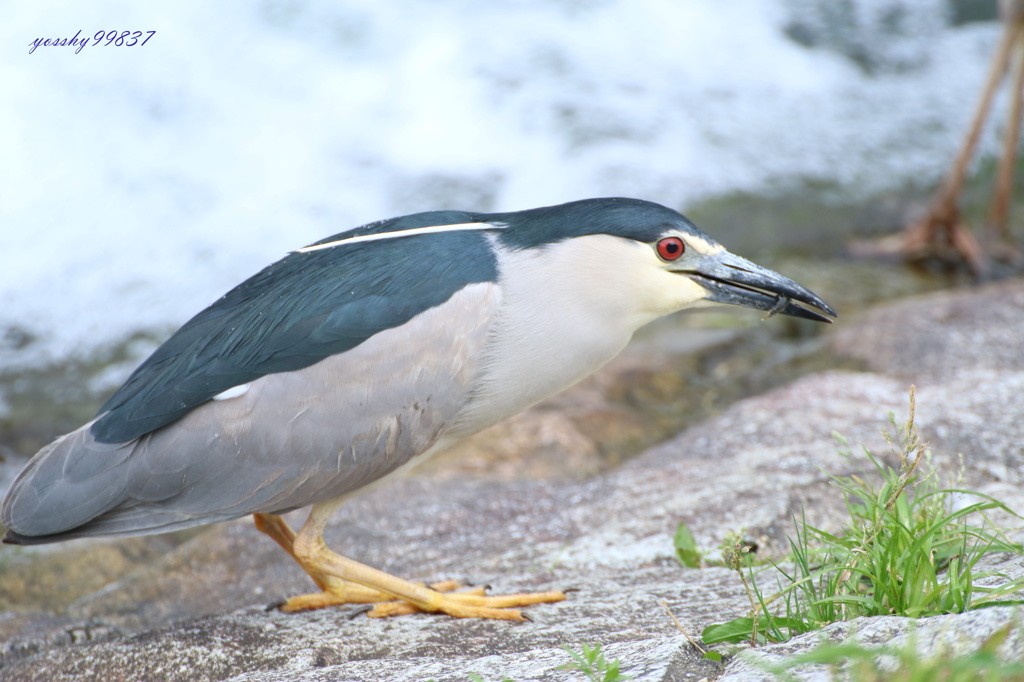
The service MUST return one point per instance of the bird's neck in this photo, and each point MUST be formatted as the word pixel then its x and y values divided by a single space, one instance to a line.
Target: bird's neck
pixel 556 324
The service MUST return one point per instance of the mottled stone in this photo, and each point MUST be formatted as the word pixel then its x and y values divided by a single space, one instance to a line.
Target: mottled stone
pixel 935 337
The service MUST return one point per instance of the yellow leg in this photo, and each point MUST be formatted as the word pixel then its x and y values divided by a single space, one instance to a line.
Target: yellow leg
pixel 344 581
pixel 334 591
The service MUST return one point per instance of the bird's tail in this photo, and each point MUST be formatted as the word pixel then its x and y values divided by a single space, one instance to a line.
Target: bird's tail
pixel 70 482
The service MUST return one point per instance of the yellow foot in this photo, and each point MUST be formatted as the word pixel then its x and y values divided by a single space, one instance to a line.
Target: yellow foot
pixel 344 581
pixel 472 604
pixel 469 603
pixel 340 592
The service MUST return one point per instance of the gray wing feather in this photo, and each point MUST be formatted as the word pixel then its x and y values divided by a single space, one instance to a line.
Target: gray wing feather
pixel 293 439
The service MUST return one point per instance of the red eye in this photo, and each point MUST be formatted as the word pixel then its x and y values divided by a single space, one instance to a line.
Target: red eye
pixel 671 248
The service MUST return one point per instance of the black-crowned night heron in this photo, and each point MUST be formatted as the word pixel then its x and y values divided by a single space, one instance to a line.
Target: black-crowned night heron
pixel 370 350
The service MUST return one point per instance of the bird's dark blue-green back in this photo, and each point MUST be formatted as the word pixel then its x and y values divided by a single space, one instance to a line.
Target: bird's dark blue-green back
pixel 295 313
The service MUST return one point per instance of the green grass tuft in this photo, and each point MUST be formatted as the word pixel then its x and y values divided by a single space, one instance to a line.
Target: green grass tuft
pixel 909 548
pixel 591 662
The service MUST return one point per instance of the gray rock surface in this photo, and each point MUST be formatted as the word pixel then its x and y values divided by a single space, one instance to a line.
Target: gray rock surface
pixel 197 612
pixel 949 636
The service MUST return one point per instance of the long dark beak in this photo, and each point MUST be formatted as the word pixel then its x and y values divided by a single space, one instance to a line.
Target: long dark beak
pixel 736 281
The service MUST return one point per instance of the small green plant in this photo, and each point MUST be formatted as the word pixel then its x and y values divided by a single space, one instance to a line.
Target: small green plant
pixel 890 663
pixel 591 662
pixel 473 677
pixel 738 551
pixel 906 550
pixel 686 547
